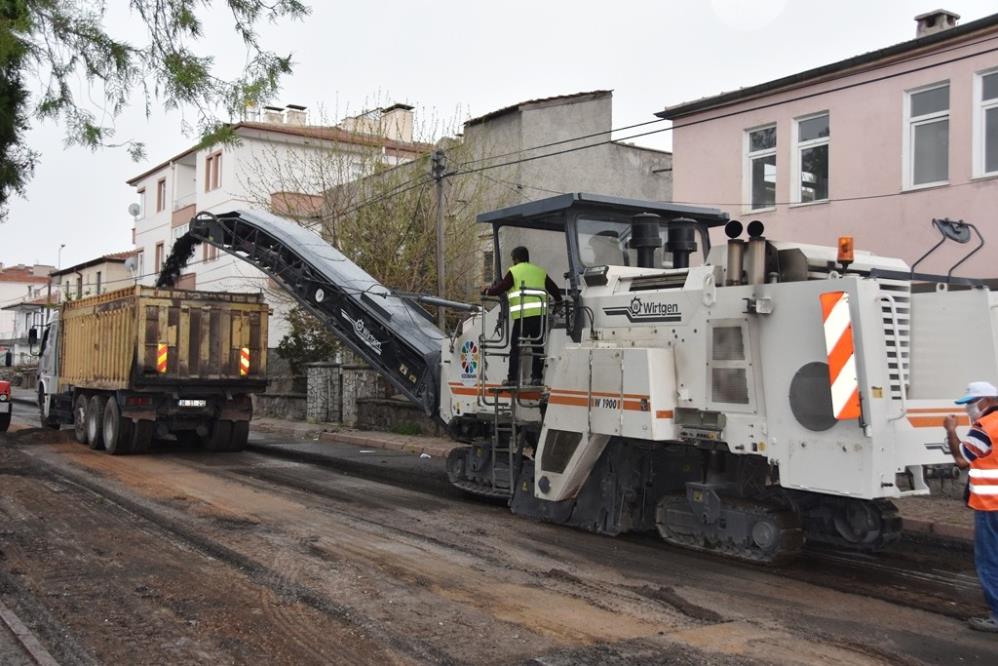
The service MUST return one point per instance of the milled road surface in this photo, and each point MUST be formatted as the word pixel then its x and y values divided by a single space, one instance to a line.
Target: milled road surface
pixel 183 557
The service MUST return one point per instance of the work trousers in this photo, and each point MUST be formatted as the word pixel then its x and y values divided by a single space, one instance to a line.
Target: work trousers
pixel 986 556
pixel 530 329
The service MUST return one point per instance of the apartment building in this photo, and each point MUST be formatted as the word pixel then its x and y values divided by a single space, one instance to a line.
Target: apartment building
pixel 97 276
pixel 18 284
pixel 875 146
pixel 279 161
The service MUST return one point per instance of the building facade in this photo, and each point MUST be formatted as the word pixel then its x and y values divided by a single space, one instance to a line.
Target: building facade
pixel 96 276
pixel 19 284
pixel 523 152
pixel 276 157
pixel 874 146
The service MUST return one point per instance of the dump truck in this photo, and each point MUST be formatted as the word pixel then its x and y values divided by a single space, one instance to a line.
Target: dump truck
pixel 744 398
pixel 131 365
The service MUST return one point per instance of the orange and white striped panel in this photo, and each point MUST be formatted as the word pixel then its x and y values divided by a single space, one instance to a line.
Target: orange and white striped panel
pixel 841 354
pixel 244 361
pixel 162 355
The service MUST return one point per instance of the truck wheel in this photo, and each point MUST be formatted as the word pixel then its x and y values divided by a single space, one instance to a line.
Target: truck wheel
pixel 80 418
pixel 117 430
pixel 142 433
pixel 240 433
pixel 221 434
pixel 95 415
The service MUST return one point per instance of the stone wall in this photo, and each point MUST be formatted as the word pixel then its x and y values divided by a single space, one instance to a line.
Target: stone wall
pixel 287 406
pixel 395 415
pixel 324 401
pixel 335 388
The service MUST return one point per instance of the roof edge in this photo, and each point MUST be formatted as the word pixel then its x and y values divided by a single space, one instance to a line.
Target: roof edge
pixel 840 66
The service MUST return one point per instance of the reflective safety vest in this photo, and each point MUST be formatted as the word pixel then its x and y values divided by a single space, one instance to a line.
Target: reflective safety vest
pixel 528 296
pixel 984 469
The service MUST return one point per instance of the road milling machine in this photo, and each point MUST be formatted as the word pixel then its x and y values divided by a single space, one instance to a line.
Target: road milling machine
pixel 741 399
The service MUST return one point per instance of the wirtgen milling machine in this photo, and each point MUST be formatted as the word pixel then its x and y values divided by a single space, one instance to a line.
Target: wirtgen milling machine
pixel 740 399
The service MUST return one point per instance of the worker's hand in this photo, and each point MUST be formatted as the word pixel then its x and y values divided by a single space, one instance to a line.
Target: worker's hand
pixel 949 423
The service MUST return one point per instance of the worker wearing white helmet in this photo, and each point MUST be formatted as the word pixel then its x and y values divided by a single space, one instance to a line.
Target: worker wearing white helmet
pixel 975 453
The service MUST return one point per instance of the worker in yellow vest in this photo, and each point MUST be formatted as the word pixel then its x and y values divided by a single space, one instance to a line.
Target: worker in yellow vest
pixel 526 286
pixel 975 453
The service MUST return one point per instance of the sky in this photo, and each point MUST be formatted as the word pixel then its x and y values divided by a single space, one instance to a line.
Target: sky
pixel 453 61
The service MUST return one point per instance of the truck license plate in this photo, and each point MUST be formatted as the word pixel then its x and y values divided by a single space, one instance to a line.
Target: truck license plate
pixel 192 403
pixel 4 407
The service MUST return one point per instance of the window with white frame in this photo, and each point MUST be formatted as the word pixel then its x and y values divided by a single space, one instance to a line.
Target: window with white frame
pixel 927 136
pixel 810 177
pixel 986 124
pixel 760 167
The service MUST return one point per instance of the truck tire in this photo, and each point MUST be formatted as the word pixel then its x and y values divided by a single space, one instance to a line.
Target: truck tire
pixel 240 434
pixel 117 430
pixel 220 437
pixel 4 422
pixel 142 434
pixel 95 418
pixel 80 418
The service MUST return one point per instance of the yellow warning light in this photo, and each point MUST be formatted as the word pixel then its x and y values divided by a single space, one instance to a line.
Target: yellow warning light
pixel 845 250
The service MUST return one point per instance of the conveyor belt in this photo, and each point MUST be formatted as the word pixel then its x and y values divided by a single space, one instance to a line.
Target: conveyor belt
pixel 394 336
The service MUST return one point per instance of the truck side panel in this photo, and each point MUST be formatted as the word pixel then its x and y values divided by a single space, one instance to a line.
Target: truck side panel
pixel 98 339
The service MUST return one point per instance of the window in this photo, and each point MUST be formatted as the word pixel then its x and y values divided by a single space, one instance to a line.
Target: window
pixel 986 124
pixel 140 263
pixel 79 286
pixel 213 171
pixel 98 282
pixel 810 179
pixel 760 167
pixel 160 194
pixel 159 257
pixel 142 204
pixel 927 136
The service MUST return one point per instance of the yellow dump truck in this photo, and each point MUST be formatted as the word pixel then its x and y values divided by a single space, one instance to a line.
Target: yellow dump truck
pixel 144 362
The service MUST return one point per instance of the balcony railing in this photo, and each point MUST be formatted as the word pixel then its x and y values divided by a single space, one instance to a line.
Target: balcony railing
pixel 185 201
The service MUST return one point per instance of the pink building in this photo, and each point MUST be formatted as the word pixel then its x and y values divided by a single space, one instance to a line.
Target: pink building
pixel 874 146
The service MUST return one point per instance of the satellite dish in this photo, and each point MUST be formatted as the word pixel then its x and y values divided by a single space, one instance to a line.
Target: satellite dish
pixel 131 263
pixel 134 209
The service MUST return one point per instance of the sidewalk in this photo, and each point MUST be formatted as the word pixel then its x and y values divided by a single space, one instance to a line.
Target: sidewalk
pixel 931 517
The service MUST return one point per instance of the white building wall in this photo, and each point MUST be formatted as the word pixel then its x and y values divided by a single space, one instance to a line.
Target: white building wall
pixel 251 170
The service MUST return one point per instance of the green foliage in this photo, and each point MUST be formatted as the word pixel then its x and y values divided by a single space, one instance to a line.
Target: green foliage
pixel 64 41
pixel 17 161
pixel 407 429
pixel 308 341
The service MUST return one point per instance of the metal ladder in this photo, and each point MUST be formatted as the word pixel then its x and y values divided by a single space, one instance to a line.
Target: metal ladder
pixel 506 421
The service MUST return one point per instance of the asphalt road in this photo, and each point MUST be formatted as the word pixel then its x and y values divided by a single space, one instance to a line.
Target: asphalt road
pixel 184 557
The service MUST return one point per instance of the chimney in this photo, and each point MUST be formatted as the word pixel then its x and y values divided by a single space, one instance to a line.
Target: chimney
pixel 396 122
pixel 295 114
pixel 935 21
pixel 273 114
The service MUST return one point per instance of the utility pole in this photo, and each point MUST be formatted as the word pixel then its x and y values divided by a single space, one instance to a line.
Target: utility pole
pixel 437 168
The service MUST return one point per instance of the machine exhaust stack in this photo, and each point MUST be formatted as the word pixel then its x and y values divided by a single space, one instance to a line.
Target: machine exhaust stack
pixel 681 241
pixel 645 238
pixel 755 265
pixel 736 252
